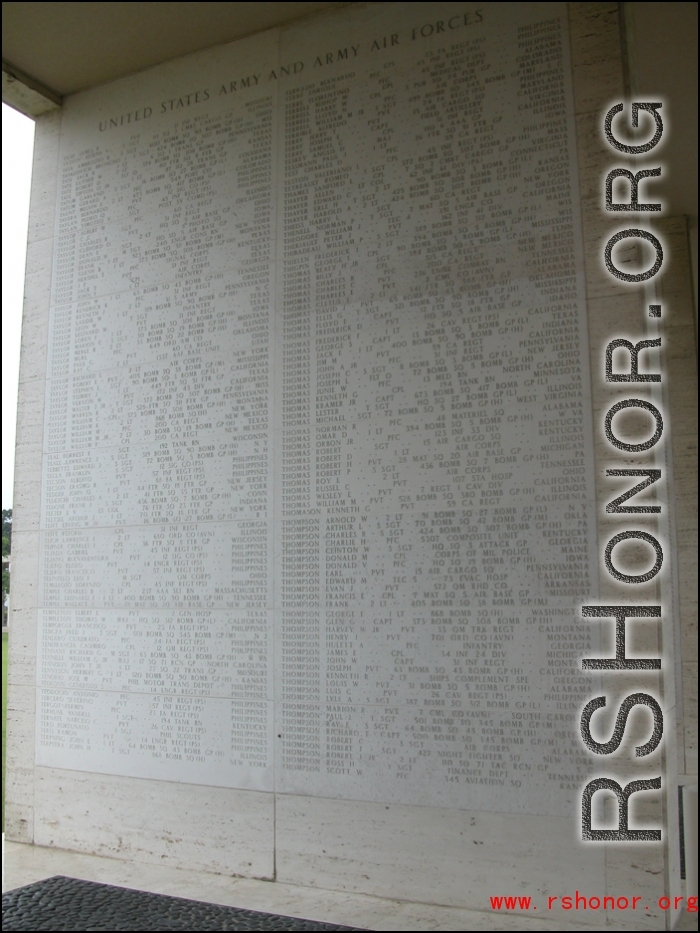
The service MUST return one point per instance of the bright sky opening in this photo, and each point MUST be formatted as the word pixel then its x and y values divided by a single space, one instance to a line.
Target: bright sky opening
pixel 17 150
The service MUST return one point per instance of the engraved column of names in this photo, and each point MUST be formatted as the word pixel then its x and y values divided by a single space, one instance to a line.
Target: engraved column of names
pixel 436 502
pixel 156 626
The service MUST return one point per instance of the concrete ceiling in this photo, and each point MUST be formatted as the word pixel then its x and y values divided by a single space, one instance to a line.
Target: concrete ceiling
pixel 68 47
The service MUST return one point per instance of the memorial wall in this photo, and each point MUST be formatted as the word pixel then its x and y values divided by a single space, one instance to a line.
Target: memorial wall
pixel 318 498
pixel 317 488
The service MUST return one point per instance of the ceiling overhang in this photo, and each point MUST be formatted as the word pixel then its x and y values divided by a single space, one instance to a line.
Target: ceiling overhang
pixel 51 50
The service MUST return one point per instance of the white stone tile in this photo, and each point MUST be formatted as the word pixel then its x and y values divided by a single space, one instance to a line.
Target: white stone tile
pixel 179 825
pixel 25 570
pixel 35 320
pixel 30 413
pixel 595 42
pixel 22 647
pixel 19 765
pixel 26 506
pixel 451 857
pixel 47 134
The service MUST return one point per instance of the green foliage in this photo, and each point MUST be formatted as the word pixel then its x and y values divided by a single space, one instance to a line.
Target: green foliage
pixel 6 531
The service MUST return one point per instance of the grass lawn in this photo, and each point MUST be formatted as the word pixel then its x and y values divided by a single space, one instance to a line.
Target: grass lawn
pixel 4 719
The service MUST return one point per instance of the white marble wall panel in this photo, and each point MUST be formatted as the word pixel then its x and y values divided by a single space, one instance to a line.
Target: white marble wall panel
pixel 211 315
pixel 167 481
pixel 316 371
pixel 196 565
pixel 433 855
pixel 156 822
pixel 164 736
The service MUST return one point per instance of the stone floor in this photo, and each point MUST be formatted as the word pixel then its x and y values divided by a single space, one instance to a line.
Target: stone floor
pixel 25 864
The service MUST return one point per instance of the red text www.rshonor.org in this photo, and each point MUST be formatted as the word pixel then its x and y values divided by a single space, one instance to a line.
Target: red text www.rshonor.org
pixel 580 902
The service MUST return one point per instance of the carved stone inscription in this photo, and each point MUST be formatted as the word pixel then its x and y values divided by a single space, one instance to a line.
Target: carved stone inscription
pixel 318 509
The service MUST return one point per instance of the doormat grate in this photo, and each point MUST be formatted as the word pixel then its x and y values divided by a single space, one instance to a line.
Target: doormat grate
pixel 61 903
